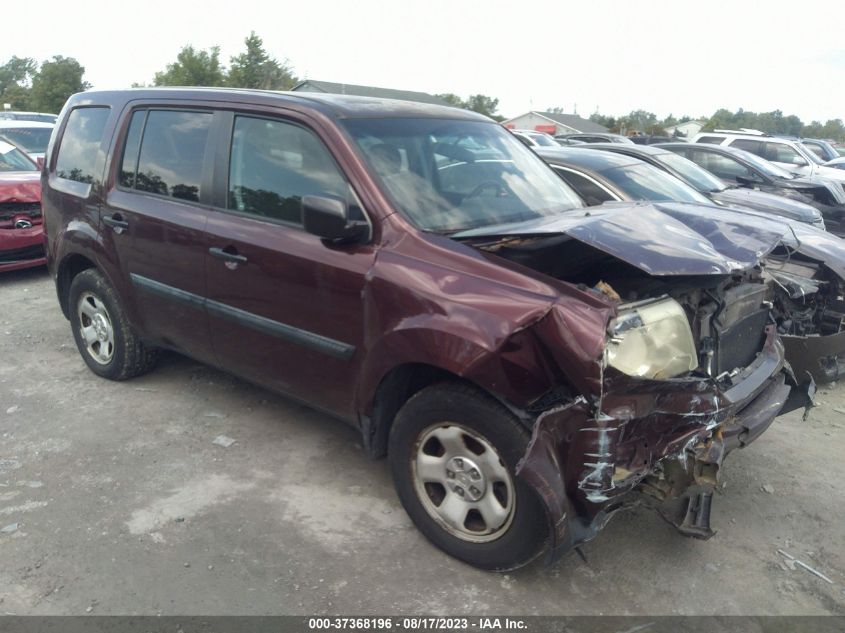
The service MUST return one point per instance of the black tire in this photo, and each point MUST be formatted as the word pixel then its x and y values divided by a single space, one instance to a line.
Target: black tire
pixel 522 539
pixel 129 356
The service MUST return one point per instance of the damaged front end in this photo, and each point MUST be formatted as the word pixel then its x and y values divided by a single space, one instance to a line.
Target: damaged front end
pixel 692 368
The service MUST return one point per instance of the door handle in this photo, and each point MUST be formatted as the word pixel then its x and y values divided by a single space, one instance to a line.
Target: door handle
pixel 117 222
pixel 227 256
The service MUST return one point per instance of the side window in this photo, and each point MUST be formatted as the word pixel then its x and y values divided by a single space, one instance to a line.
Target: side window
pixel 755 147
pixel 714 140
pixel 782 153
pixel 591 192
pixel 274 164
pixel 817 150
pixel 164 153
pixel 722 166
pixel 80 143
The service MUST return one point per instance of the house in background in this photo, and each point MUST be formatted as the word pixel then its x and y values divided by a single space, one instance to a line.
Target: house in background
pixel 553 123
pixel 686 130
pixel 310 85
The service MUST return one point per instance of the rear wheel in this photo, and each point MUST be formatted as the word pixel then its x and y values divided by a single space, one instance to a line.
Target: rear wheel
pixel 452 452
pixel 106 341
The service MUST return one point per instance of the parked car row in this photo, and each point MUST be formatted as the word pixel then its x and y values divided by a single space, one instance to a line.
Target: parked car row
pixel 535 340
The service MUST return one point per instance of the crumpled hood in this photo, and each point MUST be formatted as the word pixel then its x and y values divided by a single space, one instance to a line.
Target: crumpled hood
pixel 770 203
pixel 805 183
pixel 20 186
pixel 660 238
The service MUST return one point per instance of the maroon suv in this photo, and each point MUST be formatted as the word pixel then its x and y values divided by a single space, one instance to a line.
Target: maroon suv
pixel 529 366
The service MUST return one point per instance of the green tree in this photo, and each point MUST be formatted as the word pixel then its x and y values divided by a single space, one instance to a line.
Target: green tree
pixel 56 80
pixel 254 68
pixel 193 68
pixel 15 81
pixel 477 103
pixel 606 121
pixel 453 100
pixel 483 105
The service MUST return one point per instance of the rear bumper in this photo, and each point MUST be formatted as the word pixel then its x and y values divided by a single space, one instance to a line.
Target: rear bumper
pixel 661 438
pixel 22 248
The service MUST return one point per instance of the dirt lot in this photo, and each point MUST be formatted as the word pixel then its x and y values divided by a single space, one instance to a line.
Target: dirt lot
pixel 115 500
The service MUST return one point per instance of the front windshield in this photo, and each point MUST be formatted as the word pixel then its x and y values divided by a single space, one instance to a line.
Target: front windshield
pixel 645 182
pixel 12 159
pixel 33 140
pixel 698 177
pixel 452 175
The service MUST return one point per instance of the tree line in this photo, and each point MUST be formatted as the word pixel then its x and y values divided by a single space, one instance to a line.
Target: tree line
pixel 774 122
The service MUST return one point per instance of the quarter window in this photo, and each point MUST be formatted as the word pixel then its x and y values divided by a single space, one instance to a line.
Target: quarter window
pixel 713 140
pixel 164 153
pixel 81 140
pixel 274 164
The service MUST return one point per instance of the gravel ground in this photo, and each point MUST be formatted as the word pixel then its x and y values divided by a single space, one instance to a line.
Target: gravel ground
pixel 115 499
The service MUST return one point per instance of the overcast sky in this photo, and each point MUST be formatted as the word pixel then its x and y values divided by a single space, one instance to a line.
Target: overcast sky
pixel 673 57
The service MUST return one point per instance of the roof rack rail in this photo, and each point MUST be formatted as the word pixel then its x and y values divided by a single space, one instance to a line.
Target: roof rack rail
pixel 744 130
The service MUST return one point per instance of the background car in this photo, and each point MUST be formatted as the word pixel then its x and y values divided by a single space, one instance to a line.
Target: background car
pixel 21 227
pixel 823 149
pixel 14 115
pixel 532 138
pixel 714 188
pixel 750 171
pixel 595 137
pixel 31 136
pixel 788 154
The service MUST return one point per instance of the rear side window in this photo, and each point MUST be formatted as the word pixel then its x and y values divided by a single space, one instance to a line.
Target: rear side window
pixel 81 140
pixel 273 164
pixel 755 147
pixel 590 191
pixel 715 140
pixel 164 153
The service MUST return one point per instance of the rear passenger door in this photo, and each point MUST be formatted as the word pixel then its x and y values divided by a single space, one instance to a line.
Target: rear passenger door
pixel 285 308
pixel 154 220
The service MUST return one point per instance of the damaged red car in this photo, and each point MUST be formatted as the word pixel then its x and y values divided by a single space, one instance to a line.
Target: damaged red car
pixel 529 366
pixel 21 234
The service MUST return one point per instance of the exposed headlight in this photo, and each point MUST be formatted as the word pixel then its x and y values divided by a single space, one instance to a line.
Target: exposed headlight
pixel 652 339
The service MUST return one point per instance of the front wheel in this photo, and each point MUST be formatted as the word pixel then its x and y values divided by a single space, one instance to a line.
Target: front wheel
pixel 453 451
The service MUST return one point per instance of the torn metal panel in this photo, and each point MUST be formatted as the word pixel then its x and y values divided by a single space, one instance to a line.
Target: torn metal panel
pixel 819 357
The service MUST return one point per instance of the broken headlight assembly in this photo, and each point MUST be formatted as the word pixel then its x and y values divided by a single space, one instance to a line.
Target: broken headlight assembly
pixel 652 339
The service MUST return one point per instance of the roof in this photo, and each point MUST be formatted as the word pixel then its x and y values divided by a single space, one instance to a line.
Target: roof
pixel 310 85
pixel 338 106
pixel 590 159
pixel 14 123
pixel 569 120
pixel 632 149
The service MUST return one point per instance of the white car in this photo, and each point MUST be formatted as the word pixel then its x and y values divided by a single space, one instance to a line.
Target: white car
pixel 532 138
pixel 31 136
pixel 791 155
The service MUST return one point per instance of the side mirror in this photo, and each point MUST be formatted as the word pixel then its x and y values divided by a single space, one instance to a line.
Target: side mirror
pixel 798 160
pixel 328 218
pixel 40 162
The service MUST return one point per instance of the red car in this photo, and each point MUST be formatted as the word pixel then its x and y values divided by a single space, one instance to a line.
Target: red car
pixel 21 228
